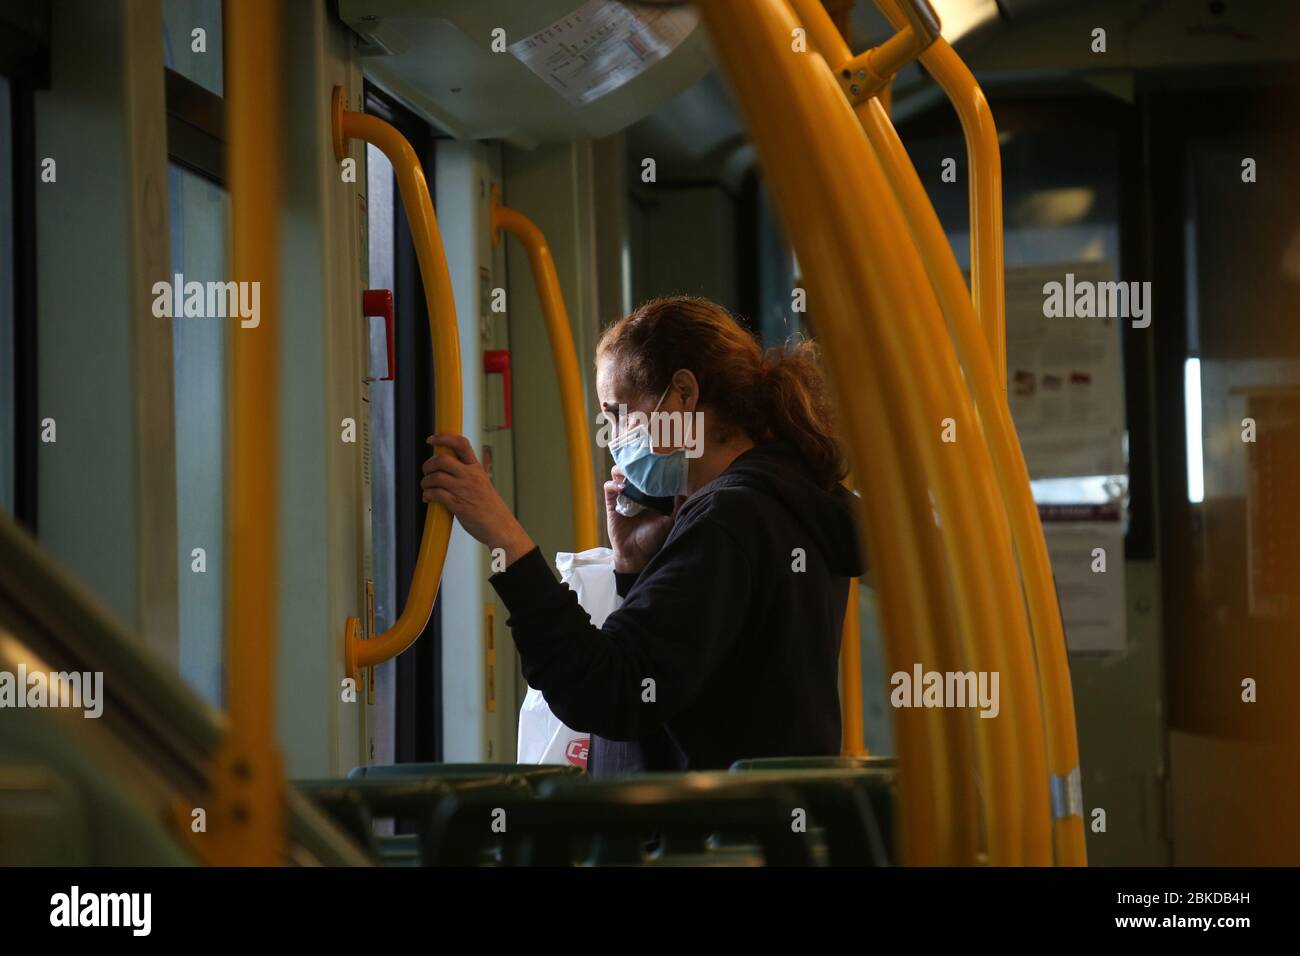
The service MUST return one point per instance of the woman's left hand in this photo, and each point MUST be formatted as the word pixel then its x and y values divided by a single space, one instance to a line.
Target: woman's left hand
pixel 460 484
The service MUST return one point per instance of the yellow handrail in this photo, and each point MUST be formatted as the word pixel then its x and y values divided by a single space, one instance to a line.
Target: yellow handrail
pixel 565 357
pixel 1013 478
pixel 1051 678
pixel 867 74
pixel 885 335
pixel 984 167
pixel 441 305
pixel 988 382
pixel 950 750
pixel 943 770
pixel 853 734
pixel 928 234
pixel 989 390
pixel 246 816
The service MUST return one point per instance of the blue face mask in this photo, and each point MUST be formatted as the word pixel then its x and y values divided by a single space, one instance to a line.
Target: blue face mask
pixel 660 476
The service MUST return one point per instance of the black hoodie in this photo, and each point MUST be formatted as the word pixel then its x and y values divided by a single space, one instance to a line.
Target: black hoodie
pixel 727 643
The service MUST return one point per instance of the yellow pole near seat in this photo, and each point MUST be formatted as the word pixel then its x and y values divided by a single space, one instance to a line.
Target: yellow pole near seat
pixel 853 741
pixel 945 646
pixel 246 815
pixel 944 767
pixel 852 732
pixel 988 382
pixel 899 388
pixel 1013 477
pixel 441 306
pixel 564 355
pixel 942 268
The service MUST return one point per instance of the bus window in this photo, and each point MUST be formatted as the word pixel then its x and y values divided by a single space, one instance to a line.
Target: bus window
pixel 199 230
pixel 380 197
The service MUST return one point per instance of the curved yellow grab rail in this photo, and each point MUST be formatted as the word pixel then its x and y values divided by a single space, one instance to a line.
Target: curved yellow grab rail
pixel 988 382
pixel 899 387
pixel 1053 672
pixel 436 279
pixel 565 357
pixel 942 763
pixel 246 812
pixel 1013 479
pixel 984 167
pixel 988 290
pixel 853 735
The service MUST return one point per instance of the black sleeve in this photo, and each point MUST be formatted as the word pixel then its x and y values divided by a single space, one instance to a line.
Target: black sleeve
pixel 623 581
pixel 654 653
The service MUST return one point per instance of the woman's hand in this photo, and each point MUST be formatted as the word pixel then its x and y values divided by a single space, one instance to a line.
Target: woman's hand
pixel 460 484
pixel 634 540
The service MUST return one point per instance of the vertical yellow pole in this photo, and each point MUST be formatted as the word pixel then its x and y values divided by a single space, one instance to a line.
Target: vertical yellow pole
pixel 1006 752
pixel 852 732
pixel 899 385
pixel 935 747
pixel 987 292
pixel 1053 685
pixel 246 825
pixel 564 355
pixel 984 167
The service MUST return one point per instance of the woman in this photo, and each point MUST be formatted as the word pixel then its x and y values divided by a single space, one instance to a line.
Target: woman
pixel 727 642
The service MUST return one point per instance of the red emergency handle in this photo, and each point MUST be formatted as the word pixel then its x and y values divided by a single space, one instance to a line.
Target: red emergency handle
pixel 497 362
pixel 379 302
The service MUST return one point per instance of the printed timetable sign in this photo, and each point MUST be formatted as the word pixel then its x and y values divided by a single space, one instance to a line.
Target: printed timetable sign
pixel 602 45
pixel 1085 544
pixel 1065 377
pixel 1065 387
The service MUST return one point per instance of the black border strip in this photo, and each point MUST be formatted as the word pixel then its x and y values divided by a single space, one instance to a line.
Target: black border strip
pixel 26 394
pixel 196 128
pixel 25 40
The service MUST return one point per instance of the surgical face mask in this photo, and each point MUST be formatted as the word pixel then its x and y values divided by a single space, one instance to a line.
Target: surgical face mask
pixel 660 476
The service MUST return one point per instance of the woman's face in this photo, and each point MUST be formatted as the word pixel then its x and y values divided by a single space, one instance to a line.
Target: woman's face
pixel 613 395
pixel 676 426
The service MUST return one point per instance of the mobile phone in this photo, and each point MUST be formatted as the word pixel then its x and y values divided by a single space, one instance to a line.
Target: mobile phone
pixel 662 505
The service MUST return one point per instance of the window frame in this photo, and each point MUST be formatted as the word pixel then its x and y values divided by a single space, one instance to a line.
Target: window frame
pixel 196 128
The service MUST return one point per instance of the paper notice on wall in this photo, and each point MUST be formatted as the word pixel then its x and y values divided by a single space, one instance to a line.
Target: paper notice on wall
pixel 604 44
pixel 1088 563
pixel 1065 377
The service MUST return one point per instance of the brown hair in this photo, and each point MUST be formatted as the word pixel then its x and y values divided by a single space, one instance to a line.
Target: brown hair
pixel 778 394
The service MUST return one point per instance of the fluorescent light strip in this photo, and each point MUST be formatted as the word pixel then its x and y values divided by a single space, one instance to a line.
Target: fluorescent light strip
pixel 1192 414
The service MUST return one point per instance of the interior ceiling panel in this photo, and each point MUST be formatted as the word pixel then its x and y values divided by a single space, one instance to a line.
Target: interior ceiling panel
pixel 696 135
pixel 1142 34
pixel 438 56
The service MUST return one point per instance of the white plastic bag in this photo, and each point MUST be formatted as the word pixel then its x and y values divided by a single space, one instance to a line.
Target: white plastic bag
pixel 543 737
